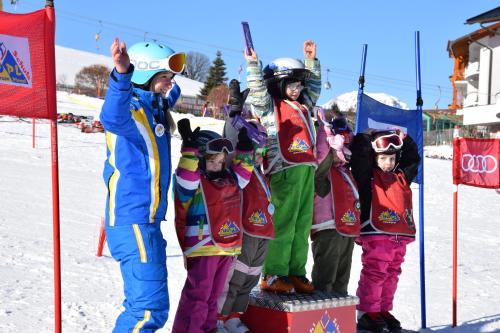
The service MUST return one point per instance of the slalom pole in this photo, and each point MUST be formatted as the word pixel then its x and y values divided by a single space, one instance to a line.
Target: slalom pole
pixel 456 149
pixel 52 105
pixel 32 131
pixel 455 236
pixel 420 140
pixel 102 238
pixel 361 86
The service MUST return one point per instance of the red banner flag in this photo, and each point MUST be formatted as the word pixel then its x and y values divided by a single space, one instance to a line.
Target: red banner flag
pixel 476 162
pixel 27 64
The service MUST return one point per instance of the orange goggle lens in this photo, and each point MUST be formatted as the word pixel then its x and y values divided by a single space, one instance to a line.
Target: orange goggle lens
pixel 177 62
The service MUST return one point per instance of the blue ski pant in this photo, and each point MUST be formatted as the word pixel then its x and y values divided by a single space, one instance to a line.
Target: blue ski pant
pixel 141 251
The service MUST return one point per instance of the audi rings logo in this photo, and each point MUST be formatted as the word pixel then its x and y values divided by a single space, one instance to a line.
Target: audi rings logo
pixel 479 163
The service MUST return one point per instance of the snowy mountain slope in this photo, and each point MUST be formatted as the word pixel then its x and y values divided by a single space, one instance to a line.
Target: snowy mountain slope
pixel 347 101
pixel 92 287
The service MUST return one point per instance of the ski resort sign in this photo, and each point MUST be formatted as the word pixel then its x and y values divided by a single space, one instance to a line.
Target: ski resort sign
pixel 15 64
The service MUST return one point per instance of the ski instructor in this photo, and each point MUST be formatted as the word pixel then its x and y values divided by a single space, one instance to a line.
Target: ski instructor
pixel 137 172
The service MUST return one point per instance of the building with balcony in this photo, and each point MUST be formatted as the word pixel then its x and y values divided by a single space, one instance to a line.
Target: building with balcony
pixel 476 73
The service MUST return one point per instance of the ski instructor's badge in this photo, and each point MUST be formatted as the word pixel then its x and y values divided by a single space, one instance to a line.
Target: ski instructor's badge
pixel 159 130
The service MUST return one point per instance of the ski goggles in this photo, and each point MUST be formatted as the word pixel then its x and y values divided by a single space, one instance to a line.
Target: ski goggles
pixel 176 63
pixel 385 142
pixel 217 146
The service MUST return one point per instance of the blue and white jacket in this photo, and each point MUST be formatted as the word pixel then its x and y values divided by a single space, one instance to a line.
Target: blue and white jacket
pixel 138 167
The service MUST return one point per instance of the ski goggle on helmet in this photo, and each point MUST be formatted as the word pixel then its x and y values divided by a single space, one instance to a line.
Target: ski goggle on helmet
pixel 219 145
pixel 210 142
pixel 387 143
pixel 150 58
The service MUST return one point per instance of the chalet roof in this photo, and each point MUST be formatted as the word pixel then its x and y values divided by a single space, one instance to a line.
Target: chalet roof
pixel 486 17
pixel 461 44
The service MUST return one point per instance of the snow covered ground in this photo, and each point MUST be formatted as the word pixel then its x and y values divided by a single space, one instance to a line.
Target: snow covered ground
pixel 92 287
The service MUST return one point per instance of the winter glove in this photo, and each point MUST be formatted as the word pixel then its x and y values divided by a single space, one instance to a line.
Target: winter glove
pixel 188 136
pixel 236 98
pixel 244 142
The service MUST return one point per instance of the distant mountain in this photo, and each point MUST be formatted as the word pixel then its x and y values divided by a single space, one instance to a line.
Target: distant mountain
pixel 347 101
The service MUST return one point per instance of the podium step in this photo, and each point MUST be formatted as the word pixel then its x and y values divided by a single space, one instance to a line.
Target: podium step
pixel 305 313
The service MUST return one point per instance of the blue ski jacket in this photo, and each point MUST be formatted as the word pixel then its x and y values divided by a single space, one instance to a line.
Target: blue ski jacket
pixel 137 170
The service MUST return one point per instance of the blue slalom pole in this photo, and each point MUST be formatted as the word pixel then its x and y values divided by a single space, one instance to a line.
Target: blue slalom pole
pixel 421 186
pixel 361 85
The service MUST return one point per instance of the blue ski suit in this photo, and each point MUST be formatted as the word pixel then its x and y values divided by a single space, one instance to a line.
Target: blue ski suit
pixel 137 173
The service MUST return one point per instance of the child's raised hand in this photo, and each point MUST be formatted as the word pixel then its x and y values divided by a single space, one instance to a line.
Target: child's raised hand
pixel 252 57
pixel 120 56
pixel 188 136
pixel 309 49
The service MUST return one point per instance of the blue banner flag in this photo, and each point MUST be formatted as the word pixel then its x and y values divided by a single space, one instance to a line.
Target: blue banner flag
pixel 373 114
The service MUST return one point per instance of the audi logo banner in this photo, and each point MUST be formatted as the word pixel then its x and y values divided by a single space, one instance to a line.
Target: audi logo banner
pixel 476 162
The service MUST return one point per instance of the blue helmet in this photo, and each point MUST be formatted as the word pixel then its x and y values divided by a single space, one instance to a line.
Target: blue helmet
pixel 150 58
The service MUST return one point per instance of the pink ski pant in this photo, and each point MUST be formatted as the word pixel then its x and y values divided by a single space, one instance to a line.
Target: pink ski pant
pixel 382 258
pixel 197 311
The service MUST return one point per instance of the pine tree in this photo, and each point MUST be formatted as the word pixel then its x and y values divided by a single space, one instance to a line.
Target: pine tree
pixel 216 75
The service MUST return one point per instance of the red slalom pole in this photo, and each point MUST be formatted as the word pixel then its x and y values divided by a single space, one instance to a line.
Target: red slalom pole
pixel 102 239
pixel 33 131
pixel 55 226
pixel 455 237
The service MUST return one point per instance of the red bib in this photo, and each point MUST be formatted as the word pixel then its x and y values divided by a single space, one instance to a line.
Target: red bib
pixel 222 200
pixel 295 132
pixel 392 203
pixel 257 208
pixel 345 202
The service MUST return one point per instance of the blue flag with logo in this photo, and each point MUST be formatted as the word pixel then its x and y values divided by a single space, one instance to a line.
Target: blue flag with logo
pixel 373 114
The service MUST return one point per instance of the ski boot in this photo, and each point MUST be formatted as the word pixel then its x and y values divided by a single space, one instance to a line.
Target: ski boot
pixel 393 325
pixel 276 284
pixel 301 284
pixel 371 322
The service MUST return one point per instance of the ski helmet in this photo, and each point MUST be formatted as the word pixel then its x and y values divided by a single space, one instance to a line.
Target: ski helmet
pixel 341 126
pixel 282 71
pixel 150 58
pixel 386 142
pixel 210 142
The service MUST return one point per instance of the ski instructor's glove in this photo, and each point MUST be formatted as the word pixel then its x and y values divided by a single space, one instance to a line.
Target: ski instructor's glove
pixel 244 142
pixel 236 98
pixel 188 137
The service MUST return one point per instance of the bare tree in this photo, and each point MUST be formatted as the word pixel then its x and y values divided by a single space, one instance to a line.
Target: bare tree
pixel 92 80
pixel 197 65
pixel 217 97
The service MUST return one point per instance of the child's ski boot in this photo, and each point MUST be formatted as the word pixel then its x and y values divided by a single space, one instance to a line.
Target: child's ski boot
pixel 371 322
pixel 393 325
pixel 276 284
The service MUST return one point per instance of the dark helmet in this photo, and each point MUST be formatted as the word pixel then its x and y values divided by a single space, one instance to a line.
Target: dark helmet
pixel 203 137
pixel 341 126
pixel 282 71
pixel 210 142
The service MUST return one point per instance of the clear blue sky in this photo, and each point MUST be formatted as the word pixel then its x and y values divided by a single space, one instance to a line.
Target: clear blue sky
pixel 279 28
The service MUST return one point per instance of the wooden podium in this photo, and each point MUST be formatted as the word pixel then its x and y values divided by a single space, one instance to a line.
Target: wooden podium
pixel 300 313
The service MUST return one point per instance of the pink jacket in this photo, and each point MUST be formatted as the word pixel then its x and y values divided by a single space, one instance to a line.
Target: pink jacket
pixel 323 207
